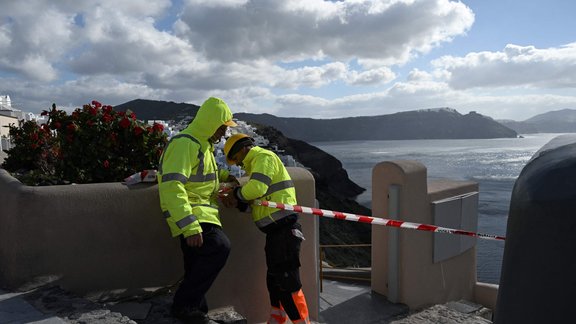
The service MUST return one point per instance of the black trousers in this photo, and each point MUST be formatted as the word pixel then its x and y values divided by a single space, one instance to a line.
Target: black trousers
pixel 201 267
pixel 283 262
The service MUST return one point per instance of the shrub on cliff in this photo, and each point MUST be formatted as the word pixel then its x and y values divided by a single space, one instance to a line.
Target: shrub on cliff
pixel 93 144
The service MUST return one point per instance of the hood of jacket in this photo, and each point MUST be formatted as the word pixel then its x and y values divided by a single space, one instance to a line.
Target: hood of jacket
pixel 213 113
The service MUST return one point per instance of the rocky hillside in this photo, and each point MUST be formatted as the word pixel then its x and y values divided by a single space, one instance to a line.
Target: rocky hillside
pixel 334 191
pixel 443 123
pixel 520 127
pixel 558 121
pixel 158 110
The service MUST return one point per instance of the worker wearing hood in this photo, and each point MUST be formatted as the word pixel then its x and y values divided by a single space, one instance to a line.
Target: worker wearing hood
pixel 188 178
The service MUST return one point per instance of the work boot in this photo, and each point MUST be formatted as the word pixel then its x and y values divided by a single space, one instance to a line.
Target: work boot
pixel 190 315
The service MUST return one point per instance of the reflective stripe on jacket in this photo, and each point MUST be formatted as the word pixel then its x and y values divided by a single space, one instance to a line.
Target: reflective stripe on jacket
pixel 188 177
pixel 269 180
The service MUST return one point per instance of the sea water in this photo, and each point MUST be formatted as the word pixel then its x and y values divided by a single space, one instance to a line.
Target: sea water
pixel 493 163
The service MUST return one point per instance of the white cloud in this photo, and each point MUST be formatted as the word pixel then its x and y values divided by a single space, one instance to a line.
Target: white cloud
pixel 371 77
pixel 31 41
pixel 342 30
pixel 310 76
pixel 515 66
pixel 216 3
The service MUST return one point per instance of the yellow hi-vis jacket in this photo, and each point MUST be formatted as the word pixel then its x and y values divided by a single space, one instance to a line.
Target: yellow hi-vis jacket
pixel 188 177
pixel 270 181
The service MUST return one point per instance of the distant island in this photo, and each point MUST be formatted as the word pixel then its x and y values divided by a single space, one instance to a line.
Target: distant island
pixel 438 123
pixel 557 121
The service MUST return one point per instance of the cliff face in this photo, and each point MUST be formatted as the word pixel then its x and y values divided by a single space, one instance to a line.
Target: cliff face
pixel 444 123
pixel 441 123
pixel 334 191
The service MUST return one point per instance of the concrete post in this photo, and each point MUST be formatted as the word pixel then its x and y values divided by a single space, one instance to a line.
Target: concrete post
pixel 403 267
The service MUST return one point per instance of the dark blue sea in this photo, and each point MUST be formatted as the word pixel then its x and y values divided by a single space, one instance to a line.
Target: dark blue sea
pixel 493 163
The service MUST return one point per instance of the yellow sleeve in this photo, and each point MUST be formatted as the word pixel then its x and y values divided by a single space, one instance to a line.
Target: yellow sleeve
pixel 177 162
pixel 263 170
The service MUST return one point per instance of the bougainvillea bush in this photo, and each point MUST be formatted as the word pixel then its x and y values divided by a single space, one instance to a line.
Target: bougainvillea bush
pixel 93 144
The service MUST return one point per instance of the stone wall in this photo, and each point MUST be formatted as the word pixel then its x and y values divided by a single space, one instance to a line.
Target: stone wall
pixel 110 237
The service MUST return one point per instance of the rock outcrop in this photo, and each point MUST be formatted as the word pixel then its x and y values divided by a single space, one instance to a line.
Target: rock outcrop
pixel 334 191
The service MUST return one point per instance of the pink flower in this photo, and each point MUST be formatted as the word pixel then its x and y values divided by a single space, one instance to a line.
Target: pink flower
pixel 96 104
pixel 106 164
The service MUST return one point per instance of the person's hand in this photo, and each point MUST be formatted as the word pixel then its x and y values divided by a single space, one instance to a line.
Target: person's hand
pixel 195 240
pixel 229 200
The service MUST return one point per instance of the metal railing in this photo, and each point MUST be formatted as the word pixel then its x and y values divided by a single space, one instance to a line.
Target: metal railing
pixel 322 267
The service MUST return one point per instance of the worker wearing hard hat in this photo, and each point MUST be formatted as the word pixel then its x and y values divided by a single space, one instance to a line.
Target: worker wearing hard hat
pixel 187 180
pixel 269 180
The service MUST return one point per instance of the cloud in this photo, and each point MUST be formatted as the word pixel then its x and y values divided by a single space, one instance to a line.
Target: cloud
pixel 515 66
pixel 343 30
pixel 371 77
pixel 31 40
pixel 424 90
pixel 308 58
pixel 229 45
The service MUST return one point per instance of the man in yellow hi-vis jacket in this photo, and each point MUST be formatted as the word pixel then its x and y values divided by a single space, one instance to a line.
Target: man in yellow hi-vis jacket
pixel 269 180
pixel 188 180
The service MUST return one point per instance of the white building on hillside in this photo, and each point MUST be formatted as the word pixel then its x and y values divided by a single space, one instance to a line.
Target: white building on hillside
pixel 5 121
pixel 5 102
pixel 10 115
pixel 6 109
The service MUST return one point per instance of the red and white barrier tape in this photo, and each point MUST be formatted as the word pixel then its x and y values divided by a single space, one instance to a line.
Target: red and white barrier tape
pixel 375 220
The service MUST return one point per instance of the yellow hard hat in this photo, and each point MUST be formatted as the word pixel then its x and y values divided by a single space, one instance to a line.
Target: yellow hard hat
pixel 229 147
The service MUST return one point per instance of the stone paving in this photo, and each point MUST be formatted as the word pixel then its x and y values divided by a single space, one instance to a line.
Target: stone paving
pixel 52 305
pixel 14 309
pixel 446 314
pixel 340 303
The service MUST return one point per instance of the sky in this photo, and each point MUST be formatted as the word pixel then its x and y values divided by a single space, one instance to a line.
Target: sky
pixel 506 59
